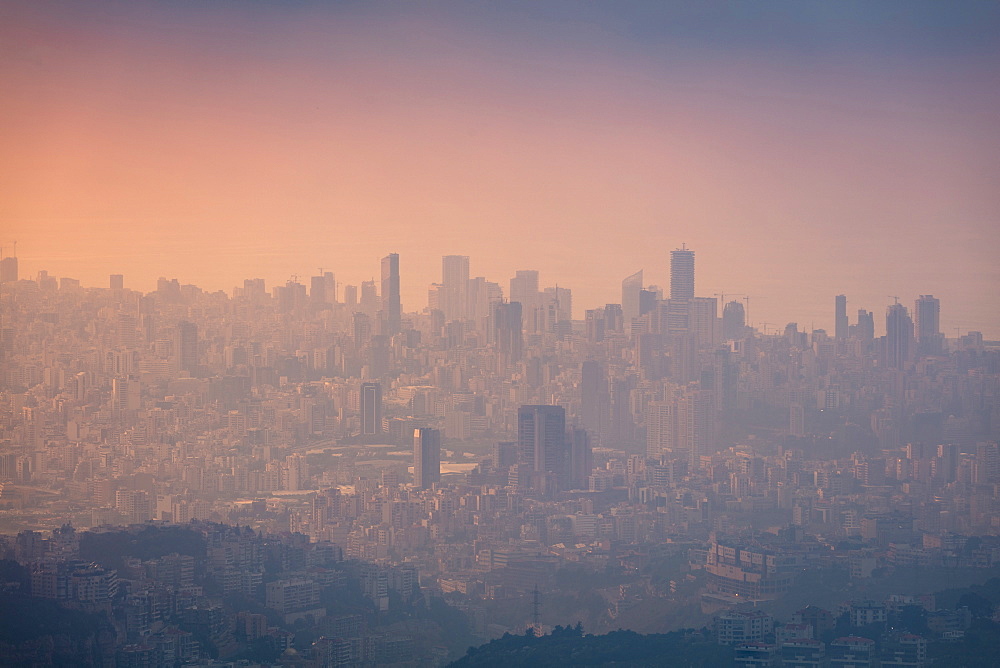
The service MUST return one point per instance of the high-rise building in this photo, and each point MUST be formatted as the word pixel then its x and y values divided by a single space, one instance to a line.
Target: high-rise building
pixel 187 346
pixel 483 297
pixel 541 444
pixel 330 287
pixel 508 333
pixel 614 321
pixel 866 326
pixel 362 330
pixel 631 287
pixel 556 309
pixel 351 296
pixel 524 290
pixel 455 286
pixel 898 336
pixel 390 293
pixel 661 429
pixel 369 299
pixel 695 423
pixel 840 318
pixel 734 321
pixel 682 273
pixel 702 314
pixel 594 323
pixel 580 458
pixel 426 457
pixel 928 326
pixel 317 292
pixel 593 396
pixel 117 282
pixel 8 270
pixel 371 409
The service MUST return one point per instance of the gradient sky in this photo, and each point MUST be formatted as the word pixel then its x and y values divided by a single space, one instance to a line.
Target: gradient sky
pixel 802 149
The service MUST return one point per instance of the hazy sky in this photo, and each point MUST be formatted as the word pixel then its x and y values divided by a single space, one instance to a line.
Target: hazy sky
pixel 802 149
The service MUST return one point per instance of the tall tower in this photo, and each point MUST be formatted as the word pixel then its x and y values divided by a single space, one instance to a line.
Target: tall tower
pixel 508 332
pixel 369 298
pixel 187 346
pixel 524 290
pixel 390 293
pixel 682 273
pixel 371 409
pixel 734 321
pixel 928 313
pixel 840 318
pixel 661 429
pixel 455 282
pixel 541 444
pixel 898 336
pixel 8 270
pixel 866 326
pixel 631 290
pixel 426 457
pixel 317 292
pixel 695 423
pixel 593 396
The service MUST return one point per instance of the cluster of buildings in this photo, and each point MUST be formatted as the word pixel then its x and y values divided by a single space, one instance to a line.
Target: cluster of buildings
pixel 178 609
pixel 810 638
pixel 491 438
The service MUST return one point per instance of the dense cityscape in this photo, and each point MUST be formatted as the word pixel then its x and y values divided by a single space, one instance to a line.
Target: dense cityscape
pixel 304 474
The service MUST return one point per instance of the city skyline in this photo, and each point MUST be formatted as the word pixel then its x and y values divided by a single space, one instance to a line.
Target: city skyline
pixel 803 152
pixel 352 334
pixel 345 292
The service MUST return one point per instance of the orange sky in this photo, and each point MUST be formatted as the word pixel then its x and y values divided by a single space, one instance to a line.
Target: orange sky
pixel 214 142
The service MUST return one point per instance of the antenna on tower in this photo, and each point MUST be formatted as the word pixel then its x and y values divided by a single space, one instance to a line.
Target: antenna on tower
pixel 894 297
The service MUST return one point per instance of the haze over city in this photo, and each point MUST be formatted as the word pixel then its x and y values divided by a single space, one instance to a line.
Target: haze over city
pixel 344 335
pixel 805 149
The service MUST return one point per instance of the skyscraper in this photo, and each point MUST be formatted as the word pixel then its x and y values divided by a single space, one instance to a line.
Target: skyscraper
pixel 508 332
pixel 840 318
pixel 455 286
pixel 426 457
pixel 541 444
pixel 317 292
pixel 928 326
pixel 390 293
pixel 631 287
pixel 371 409
pixel 695 423
pixel 866 326
pixel 682 273
pixel 733 321
pixel 187 346
pixel 369 298
pixel 898 336
pixel 8 270
pixel 524 290
pixel 661 429
pixel 593 396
